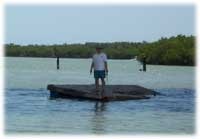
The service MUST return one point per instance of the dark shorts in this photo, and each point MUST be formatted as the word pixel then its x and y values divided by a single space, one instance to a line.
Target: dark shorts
pixel 99 74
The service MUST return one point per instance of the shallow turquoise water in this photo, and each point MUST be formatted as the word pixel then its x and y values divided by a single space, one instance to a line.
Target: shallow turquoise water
pixel 29 110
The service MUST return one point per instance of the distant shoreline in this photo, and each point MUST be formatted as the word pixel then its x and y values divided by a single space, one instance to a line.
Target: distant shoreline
pixel 177 51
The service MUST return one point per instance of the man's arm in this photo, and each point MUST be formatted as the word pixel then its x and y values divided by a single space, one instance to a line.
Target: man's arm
pixel 106 66
pixel 91 67
pixel 105 63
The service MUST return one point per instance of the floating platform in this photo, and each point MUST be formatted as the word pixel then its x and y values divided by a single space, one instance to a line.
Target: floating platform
pixel 110 93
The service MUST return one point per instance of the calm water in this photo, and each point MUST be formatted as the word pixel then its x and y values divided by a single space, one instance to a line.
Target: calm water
pixel 29 110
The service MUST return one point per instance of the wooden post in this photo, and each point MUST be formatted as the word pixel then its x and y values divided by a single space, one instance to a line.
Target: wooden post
pixel 144 63
pixel 58 63
pixel 56 55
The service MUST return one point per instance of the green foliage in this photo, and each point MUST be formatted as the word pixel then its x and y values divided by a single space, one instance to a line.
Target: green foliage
pixel 179 50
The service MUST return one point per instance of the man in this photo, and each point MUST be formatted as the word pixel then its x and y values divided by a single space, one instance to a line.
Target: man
pixel 99 63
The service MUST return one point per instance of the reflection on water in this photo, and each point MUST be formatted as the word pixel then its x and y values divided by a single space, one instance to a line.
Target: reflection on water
pixel 98 120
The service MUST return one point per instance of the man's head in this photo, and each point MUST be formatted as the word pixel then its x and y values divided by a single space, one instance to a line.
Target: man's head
pixel 98 49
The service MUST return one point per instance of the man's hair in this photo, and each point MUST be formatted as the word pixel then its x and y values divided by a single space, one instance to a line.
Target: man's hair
pixel 99 48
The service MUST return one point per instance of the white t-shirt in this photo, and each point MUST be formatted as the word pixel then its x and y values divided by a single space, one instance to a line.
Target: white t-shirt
pixel 99 60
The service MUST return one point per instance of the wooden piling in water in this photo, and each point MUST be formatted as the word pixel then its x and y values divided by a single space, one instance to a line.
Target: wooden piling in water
pixel 58 63
pixel 144 63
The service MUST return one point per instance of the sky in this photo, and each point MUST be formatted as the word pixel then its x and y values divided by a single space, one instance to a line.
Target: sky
pixel 48 24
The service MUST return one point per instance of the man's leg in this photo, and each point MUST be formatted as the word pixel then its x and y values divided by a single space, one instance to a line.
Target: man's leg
pixel 103 86
pixel 97 84
pixel 103 82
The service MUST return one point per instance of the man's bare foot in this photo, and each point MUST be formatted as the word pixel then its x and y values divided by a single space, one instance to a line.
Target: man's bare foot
pixel 104 98
pixel 98 93
pixel 97 90
pixel 103 92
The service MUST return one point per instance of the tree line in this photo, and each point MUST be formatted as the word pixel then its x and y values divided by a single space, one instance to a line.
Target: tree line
pixel 175 50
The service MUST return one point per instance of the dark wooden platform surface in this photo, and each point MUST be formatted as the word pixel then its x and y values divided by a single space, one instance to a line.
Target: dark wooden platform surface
pixel 111 92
